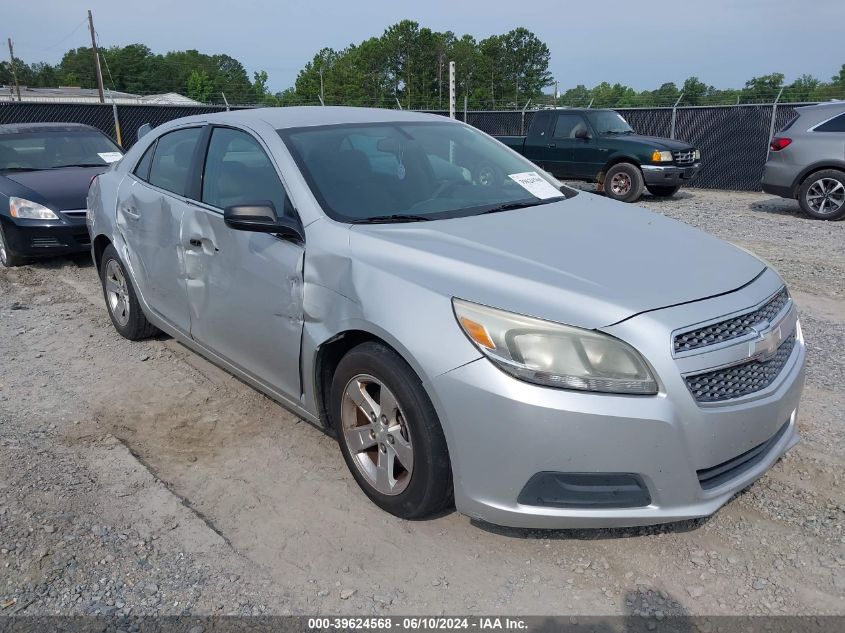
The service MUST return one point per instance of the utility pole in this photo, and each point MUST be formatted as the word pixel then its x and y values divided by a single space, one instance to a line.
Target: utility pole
pixel 12 66
pixel 97 68
pixel 322 94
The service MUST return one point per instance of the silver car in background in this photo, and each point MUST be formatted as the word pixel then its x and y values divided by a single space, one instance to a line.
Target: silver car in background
pixel 469 330
pixel 807 161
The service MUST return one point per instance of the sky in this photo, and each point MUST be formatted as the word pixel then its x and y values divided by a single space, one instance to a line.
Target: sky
pixel 641 44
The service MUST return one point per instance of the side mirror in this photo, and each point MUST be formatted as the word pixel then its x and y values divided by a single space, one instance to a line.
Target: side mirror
pixel 260 217
pixel 583 134
pixel 144 130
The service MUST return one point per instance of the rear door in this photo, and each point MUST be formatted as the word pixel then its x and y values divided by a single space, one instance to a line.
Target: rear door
pixel 150 206
pixel 244 288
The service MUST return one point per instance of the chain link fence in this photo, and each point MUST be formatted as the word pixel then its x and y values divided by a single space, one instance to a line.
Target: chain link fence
pixel 733 139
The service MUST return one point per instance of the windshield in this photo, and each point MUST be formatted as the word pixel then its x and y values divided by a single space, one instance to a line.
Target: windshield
pixel 609 122
pixel 50 149
pixel 394 172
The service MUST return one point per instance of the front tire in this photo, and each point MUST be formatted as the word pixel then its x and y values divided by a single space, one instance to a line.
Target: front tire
pixel 389 433
pixel 7 257
pixel 662 191
pixel 121 300
pixel 623 182
pixel 822 195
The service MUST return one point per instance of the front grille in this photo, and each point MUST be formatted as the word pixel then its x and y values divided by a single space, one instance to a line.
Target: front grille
pixel 739 380
pixel 732 328
pixel 76 213
pixel 715 476
pixel 684 156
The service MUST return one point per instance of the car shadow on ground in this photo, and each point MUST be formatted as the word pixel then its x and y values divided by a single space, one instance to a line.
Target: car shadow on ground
pixel 778 206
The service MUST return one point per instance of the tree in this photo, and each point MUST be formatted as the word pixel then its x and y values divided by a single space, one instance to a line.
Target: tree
pixel 695 91
pixel 199 86
pixel 763 89
pixel 526 62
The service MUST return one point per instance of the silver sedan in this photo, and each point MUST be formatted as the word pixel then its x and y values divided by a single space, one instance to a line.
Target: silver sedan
pixel 471 331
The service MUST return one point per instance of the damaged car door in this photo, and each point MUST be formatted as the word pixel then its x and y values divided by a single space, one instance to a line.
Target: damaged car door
pixel 244 287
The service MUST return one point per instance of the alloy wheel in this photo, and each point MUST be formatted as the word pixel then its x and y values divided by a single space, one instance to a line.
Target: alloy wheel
pixel 376 433
pixel 620 184
pixel 116 292
pixel 3 254
pixel 826 196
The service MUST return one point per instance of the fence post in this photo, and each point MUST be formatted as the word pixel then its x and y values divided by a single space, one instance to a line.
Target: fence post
pixel 674 114
pixel 451 90
pixel 522 124
pixel 772 126
pixel 117 135
pixel 225 100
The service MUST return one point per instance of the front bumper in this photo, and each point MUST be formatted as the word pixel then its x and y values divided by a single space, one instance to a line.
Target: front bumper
pixel 502 432
pixel 40 238
pixel 669 175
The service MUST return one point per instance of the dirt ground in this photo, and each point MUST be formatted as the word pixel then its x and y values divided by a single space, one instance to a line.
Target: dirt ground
pixel 138 478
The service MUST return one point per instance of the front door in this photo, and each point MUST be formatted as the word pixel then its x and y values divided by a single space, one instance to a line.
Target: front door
pixel 244 288
pixel 559 158
pixel 150 206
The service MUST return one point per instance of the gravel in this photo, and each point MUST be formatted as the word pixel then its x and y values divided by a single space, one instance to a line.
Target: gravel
pixel 136 478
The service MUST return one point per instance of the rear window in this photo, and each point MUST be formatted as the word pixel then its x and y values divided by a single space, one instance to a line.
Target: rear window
pixel 836 124
pixel 171 165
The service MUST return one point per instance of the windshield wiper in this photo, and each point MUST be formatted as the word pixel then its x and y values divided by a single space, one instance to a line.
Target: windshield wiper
pixel 393 218
pixel 510 206
pixel 5 169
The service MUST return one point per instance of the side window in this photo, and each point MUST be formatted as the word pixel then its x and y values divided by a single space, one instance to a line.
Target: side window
pixel 568 125
pixel 836 124
pixel 171 165
pixel 238 171
pixel 142 170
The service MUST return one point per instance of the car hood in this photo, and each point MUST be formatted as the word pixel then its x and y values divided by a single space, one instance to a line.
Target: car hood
pixel 658 142
pixel 586 261
pixel 60 189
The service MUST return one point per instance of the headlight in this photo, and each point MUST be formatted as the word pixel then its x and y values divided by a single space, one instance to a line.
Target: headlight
pixel 29 210
pixel 696 155
pixel 553 354
pixel 661 157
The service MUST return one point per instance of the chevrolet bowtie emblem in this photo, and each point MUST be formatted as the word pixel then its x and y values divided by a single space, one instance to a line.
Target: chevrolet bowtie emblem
pixel 764 347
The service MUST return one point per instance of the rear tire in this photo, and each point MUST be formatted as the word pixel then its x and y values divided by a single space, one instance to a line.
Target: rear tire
pixel 623 182
pixel 822 195
pixel 8 258
pixel 389 433
pixel 662 191
pixel 121 300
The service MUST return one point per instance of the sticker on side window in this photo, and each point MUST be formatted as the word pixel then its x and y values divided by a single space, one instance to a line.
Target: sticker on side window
pixel 110 157
pixel 536 185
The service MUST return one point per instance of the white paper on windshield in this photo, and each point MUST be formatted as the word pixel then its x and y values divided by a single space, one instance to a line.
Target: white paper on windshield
pixel 536 185
pixel 110 157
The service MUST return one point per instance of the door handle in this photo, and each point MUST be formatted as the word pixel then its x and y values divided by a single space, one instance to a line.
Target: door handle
pixel 131 213
pixel 202 244
pixel 551 145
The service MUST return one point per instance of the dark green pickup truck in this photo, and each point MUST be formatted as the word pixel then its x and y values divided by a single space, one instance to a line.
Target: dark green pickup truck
pixel 599 146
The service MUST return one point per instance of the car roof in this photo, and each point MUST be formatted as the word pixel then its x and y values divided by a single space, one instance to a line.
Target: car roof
pixel 24 128
pixel 307 116
pixel 826 106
